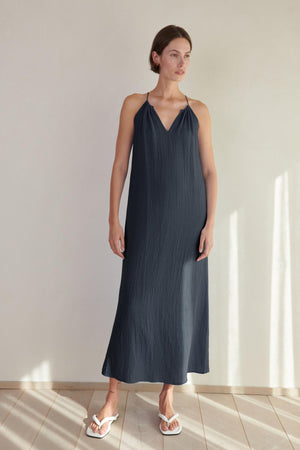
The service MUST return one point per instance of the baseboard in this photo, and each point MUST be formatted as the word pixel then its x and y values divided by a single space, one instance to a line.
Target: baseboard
pixel 155 387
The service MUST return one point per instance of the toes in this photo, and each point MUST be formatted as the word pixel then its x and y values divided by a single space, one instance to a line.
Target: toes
pixel 174 424
pixel 96 428
pixel 164 426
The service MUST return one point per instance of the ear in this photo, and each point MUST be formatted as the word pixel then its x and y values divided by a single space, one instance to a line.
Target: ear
pixel 155 57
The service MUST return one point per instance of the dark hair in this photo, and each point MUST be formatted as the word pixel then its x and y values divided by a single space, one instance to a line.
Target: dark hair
pixel 162 39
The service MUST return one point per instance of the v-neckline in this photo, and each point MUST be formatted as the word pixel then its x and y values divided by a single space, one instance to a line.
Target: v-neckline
pixel 159 119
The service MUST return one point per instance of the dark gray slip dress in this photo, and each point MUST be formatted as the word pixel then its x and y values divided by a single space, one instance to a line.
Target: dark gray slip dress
pixel 161 327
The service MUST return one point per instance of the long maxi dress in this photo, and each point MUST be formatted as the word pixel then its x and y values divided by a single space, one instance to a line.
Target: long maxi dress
pixel 161 327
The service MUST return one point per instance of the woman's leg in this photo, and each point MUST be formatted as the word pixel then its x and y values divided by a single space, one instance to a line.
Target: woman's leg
pixel 166 406
pixel 110 406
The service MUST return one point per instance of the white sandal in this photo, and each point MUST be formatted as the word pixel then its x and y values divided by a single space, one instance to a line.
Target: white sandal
pixel 90 432
pixel 176 430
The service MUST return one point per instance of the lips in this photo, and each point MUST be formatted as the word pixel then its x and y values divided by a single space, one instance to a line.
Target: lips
pixel 180 72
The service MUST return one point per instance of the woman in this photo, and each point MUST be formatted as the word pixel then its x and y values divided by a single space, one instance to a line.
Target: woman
pixel 160 332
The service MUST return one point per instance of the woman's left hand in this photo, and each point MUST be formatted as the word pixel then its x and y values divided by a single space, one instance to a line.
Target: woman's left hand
pixel 206 237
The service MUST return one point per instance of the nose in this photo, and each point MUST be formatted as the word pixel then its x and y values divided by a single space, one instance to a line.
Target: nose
pixel 181 62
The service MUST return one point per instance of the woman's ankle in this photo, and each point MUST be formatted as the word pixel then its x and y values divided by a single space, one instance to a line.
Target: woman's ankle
pixel 112 397
pixel 165 398
pixel 166 391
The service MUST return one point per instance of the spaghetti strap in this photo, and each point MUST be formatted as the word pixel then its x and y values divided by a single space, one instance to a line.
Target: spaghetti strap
pixel 147 95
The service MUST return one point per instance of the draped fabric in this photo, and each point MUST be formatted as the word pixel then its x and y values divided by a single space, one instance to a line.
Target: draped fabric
pixel 161 327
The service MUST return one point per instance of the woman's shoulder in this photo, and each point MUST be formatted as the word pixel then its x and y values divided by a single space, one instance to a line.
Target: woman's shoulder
pixel 200 109
pixel 133 102
pixel 134 99
pixel 198 106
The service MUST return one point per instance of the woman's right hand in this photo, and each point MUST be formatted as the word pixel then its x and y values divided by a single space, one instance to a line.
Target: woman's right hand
pixel 116 235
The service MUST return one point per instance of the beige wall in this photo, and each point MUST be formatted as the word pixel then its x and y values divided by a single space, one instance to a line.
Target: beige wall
pixel 66 67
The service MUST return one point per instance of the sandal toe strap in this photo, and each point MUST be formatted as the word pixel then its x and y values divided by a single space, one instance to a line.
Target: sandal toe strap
pixel 162 416
pixel 173 417
pixel 100 423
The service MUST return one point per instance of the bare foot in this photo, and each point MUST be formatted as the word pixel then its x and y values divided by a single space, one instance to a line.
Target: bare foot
pixel 109 409
pixel 166 408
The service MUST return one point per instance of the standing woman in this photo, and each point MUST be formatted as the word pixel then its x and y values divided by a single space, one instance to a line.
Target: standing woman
pixel 161 328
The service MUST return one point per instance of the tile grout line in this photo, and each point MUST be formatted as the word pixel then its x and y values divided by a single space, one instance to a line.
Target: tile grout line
pixel 82 426
pixel 8 413
pixel 237 410
pixel 120 441
pixel 280 422
pixel 46 415
pixel 199 404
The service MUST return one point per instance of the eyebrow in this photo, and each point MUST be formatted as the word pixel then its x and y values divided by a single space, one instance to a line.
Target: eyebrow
pixel 174 50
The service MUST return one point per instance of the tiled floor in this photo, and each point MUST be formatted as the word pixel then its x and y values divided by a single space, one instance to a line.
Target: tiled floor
pixel 56 419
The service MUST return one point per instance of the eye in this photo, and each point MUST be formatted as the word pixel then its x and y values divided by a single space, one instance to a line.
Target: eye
pixel 173 54
pixel 188 56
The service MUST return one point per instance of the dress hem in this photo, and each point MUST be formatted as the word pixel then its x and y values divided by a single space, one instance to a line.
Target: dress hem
pixel 152 380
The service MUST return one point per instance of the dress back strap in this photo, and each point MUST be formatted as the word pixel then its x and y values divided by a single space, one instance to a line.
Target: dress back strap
pixel 147 95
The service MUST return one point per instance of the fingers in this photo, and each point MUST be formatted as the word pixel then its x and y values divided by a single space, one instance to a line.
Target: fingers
pixel 203 255
pixel 115 246
pixel 201 244
pixel 207 249
pixel 122 243
pixel 118 251
pixel 206 243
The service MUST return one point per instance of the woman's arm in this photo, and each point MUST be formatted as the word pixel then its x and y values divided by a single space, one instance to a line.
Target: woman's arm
pixel 119 171
pixel 210 176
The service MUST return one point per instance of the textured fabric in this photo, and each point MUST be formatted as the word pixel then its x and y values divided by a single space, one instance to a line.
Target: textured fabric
pixel 160 332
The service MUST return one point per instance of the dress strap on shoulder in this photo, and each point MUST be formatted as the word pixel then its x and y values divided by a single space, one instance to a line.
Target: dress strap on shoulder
pixel 147 95
pixel 187 99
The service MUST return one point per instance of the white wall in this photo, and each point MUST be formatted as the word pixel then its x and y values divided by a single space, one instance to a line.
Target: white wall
pixel 66 67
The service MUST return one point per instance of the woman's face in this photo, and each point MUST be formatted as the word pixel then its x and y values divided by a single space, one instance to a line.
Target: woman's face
pixel 175 59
